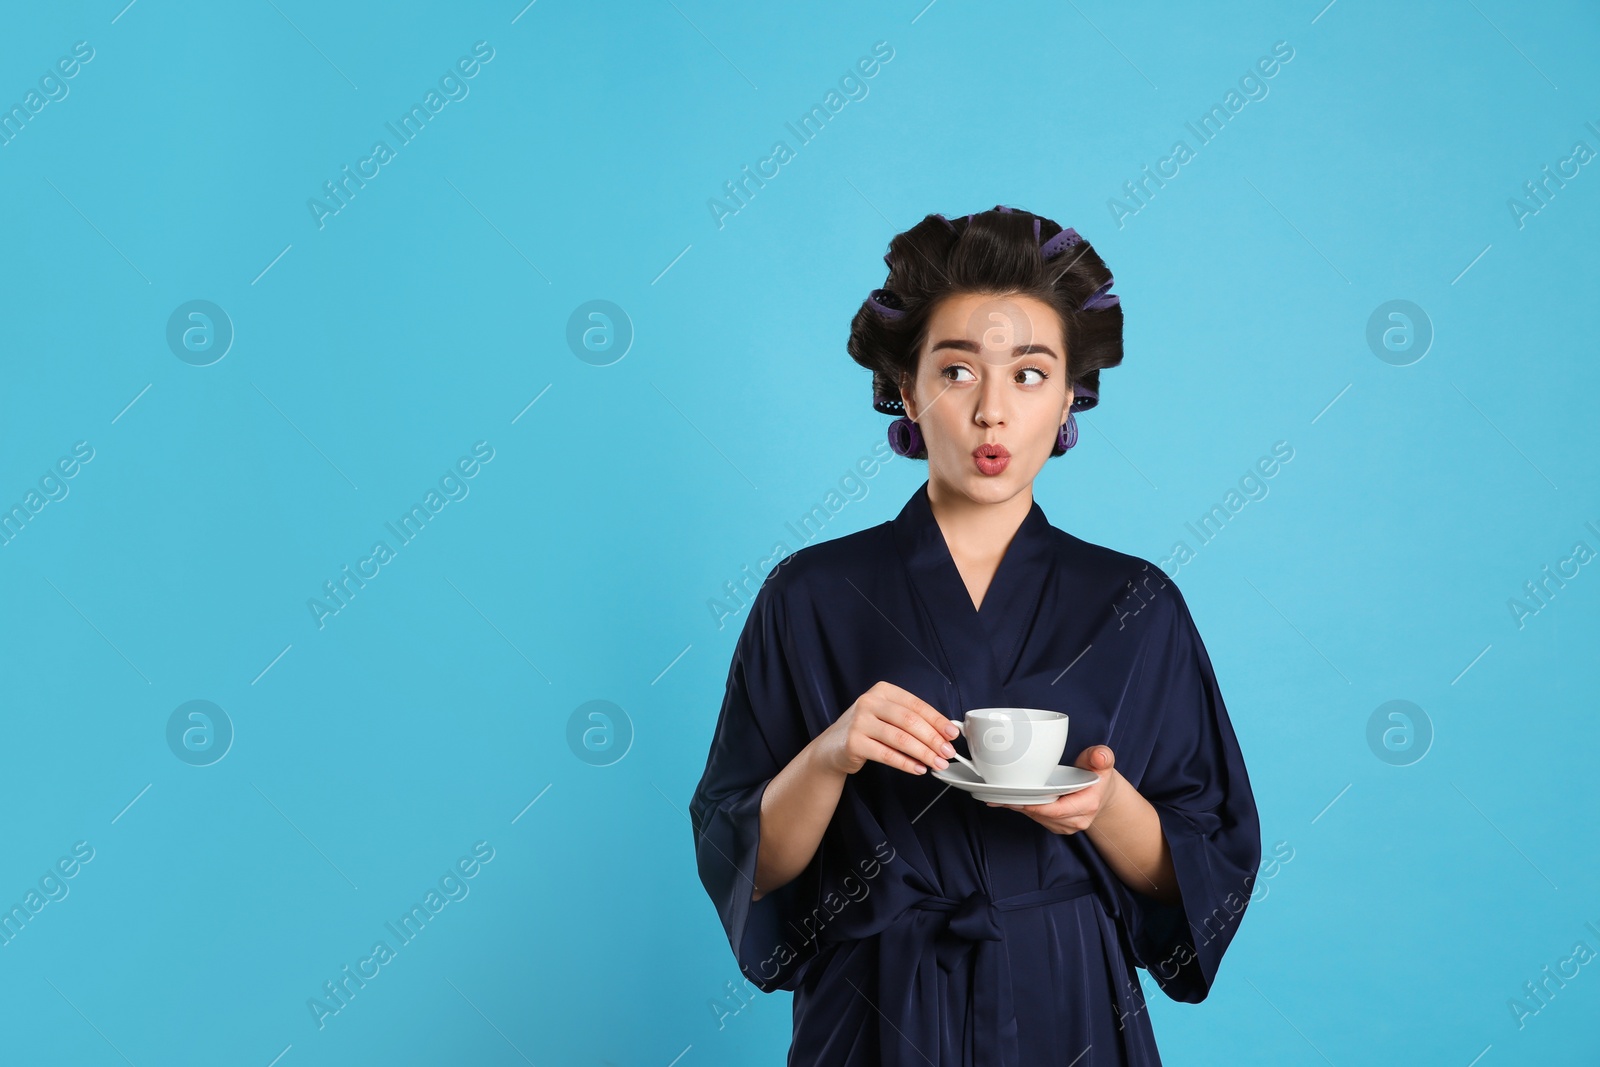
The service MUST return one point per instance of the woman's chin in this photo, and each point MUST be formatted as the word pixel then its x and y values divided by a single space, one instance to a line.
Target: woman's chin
pixel 988 488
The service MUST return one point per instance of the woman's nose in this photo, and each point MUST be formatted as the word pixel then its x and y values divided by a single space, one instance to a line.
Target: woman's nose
pixel 991 401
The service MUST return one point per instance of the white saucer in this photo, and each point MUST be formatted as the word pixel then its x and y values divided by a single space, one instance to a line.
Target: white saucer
pixel 1062 780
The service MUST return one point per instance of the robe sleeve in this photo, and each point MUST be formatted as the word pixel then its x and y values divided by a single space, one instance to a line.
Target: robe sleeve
pixel 1195 778
pixel 759 731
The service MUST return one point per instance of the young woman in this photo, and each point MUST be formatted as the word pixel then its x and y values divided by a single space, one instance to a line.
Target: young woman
pixel 915 924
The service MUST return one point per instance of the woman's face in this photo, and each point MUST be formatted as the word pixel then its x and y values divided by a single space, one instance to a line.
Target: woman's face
pixel 992 372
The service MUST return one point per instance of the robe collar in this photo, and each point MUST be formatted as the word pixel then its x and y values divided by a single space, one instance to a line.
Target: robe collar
pixel 979 645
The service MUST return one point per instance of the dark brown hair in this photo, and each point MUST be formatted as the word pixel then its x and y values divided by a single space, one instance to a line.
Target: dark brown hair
pixel 995 251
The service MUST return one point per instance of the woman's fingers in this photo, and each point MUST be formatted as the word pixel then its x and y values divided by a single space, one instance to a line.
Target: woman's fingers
pixel 938 719
pixel 926 721
pixel 929 744
pixel 891 733
pixel 882 753
pixel 896 727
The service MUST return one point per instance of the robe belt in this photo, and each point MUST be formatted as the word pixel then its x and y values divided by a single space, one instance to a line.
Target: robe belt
pixel 972 929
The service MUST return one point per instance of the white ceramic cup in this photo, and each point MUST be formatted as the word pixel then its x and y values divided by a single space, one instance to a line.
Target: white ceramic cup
pixel 1015 746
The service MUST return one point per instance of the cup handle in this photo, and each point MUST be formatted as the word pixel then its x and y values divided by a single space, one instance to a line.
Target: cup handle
pixel 961 728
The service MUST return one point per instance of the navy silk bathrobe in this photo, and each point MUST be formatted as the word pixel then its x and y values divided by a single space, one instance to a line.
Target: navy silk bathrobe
pixel 930 929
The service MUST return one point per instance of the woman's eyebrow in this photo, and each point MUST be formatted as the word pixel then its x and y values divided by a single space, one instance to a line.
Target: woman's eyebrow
pixel 965 345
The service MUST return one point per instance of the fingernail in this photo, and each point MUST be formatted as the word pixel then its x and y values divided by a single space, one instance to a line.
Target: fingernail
pixel 947 749
pixel 944 764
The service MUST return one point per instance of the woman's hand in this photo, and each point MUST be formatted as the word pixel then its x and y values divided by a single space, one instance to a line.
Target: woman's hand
pixel 1077 811
pixel 888 725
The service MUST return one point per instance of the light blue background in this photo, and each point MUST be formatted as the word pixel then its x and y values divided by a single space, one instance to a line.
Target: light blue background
pixel 432 310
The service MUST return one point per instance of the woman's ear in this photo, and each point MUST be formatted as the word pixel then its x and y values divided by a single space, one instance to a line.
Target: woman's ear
pixel 907 398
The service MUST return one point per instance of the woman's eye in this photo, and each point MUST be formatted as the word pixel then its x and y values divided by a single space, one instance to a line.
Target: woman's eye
pixel 952 372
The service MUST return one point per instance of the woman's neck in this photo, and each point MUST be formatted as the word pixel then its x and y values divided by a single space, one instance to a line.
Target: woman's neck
pixel 978 532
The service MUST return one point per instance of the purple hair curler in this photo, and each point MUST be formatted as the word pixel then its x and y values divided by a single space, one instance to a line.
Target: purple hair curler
pixel 885 303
